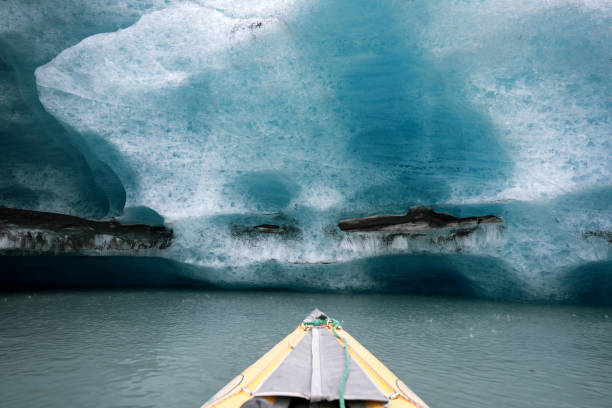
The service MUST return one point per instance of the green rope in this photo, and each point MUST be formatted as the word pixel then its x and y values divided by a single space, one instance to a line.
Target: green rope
pixel 335 323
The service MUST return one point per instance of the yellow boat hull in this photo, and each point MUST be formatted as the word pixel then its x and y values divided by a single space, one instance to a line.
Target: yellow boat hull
pixel 242 387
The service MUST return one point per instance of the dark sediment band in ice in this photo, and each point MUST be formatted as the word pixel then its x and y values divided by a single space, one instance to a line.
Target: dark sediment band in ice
pixel 25 232
pixel 261 226
pixel 607 235
pixel 417 219
pixel 284 231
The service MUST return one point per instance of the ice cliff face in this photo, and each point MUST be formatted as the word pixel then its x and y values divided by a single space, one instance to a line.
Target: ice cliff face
pixel 217 114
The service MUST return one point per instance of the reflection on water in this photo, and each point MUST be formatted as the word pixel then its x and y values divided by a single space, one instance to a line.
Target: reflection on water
pixel 177 348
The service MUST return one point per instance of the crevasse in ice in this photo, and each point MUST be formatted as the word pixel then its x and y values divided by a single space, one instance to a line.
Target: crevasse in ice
pixel 216 113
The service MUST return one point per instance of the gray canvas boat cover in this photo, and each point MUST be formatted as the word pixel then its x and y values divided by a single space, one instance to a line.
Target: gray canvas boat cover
pixel 313 371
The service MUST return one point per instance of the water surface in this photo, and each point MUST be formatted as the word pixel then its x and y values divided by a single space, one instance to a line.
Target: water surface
pixel 177 348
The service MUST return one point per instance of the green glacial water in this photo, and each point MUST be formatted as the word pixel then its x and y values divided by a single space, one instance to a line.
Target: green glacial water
pixel 177 348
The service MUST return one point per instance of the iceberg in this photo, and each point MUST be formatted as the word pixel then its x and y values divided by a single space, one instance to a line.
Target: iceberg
pixel 252 128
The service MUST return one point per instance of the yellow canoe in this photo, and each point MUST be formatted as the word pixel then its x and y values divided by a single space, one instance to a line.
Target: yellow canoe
pixel 317 365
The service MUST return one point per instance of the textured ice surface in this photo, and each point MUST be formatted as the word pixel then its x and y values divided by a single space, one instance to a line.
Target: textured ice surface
pixel 213 113
pixel 40 167
pixel 200 105
pixel 45 167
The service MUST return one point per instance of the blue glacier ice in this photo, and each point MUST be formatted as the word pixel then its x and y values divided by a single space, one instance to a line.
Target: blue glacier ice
pixel 213 114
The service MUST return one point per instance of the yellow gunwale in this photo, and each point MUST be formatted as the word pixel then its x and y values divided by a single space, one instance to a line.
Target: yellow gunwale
pixel 255 374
